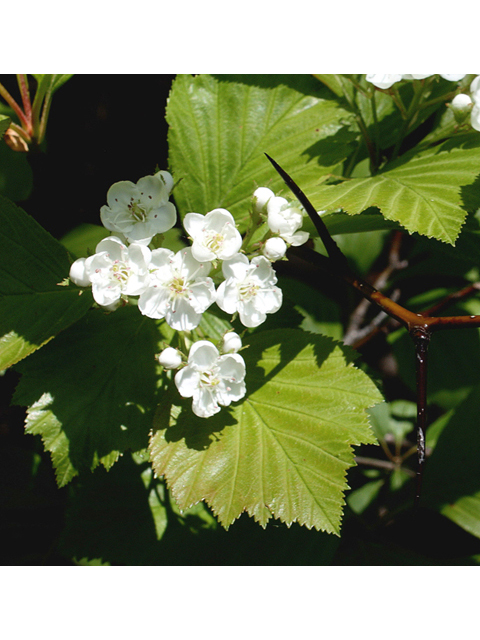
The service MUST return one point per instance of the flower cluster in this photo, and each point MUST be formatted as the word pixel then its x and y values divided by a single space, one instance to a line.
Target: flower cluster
pixel 180 287
pixel 387 80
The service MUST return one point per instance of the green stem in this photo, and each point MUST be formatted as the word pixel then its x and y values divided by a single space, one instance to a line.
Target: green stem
pixel 25 93
pixel 12 103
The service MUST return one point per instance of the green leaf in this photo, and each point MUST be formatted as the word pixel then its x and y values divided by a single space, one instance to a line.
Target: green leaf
pixel 52 81
pixel 221 127
pixel 424 194
pixel 284 451
pixel 452 474
pixel 33 306
pixel 4 124
pixel 91 391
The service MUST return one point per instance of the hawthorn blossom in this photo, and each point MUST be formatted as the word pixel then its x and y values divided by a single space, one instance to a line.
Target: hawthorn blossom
pixel 113 271
pixel 387 80
pixel 250 289
pixel 170 358
pixel 285 219
pixel 475 93
pixel 211 379
pixel 179 289
pixel 214 235
pixel 140 211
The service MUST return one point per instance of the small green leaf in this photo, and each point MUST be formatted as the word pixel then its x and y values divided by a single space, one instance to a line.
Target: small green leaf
pixel 33 307
pixel 284 451
pixel 221 127
pixel 424 194
pixel 4 124
pixel 90 392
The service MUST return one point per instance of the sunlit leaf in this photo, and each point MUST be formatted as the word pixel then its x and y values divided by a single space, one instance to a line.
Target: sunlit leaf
pixel 221 127
pixel 285 450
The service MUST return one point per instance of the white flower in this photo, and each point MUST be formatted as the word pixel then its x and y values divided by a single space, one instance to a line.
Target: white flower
pixel 453 77
pixel 231 342
pixel 114 270
pixel 274 249
pixel 179 290
pixel 261 196
pixel 140 211
pixel 284 218
pixel 211 379
pixel 383 80
pixel 214 235
pixel 475 93
pixel 386 80
pixel 170 358
pixel 250 289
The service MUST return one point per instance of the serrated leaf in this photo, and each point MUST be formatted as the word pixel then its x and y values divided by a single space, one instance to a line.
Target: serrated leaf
pixel 423 194
pixel 90 392
pixel 221 126
pixel 33 305
pixel 284 451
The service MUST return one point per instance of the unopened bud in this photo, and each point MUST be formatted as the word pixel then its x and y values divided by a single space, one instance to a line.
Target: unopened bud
pixel 170 358
pixel 261 196
pixel 461 106
pixel 274 249
pixel 231 342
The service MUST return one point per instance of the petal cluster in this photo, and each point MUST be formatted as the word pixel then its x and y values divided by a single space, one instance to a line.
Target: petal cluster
pixel 210 379
pixel 214 235
pixel 249 289
pixel 387 80
pixel 178 289
pixel 142 210
pixel 113 271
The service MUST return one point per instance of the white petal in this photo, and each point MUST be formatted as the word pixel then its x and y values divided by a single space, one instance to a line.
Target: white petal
pixel 204 404
pixel 194 224
pixel 187 381
pixel 203 354
pixel 227 296
pixel 79 274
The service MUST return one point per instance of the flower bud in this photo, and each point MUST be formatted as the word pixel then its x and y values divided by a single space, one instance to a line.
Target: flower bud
pixel 170 358
pixel 261 196
pixel 231 342
pixel 78 273
pixel 461 106
pixel 274 249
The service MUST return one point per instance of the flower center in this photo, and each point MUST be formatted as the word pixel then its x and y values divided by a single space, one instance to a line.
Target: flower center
pixel 179 288
pixel 248 290
pixel 137 212
pixel 120 272
pixel 210 378
pixel 214 241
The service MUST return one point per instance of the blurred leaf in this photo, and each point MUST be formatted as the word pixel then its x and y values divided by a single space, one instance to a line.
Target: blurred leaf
pixel 52 80
pixel 82 241
pixel 452 475
pixel 221 127
pixel 16 179
pixel 4 124
pixel 284 451
pixel 92 390
pixel 33 306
